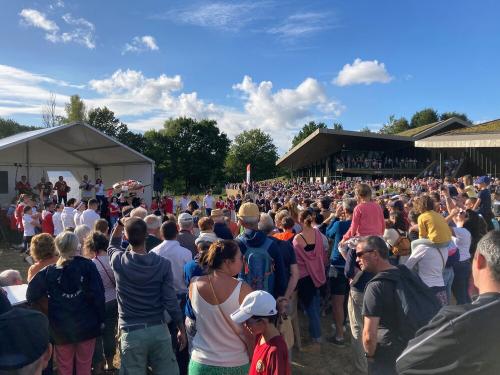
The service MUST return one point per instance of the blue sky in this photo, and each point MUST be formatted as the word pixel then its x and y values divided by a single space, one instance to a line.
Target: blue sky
pixel 269 64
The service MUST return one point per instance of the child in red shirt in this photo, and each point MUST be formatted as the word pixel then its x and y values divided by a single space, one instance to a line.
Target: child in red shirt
pixel 258 313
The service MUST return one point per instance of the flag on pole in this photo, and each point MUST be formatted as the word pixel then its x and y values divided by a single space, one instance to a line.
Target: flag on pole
pixel 248 173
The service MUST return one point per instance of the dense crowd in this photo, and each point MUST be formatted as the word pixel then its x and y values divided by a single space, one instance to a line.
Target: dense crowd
pixel 375 160
pixel 409 268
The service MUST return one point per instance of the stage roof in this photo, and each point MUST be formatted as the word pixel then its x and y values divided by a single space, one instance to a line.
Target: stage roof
pixel 324 142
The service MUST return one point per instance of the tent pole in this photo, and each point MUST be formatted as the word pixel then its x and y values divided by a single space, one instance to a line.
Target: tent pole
pixel 28 160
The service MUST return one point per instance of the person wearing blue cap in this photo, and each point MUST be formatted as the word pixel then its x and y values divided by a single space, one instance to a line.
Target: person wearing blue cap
pixel 483 203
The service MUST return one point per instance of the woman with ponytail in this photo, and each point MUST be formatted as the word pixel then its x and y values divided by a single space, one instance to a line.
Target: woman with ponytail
pixel 312 260
pixel 220 345
pixel 75 307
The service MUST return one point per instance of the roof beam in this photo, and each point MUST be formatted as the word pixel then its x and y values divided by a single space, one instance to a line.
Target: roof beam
pixel 95 148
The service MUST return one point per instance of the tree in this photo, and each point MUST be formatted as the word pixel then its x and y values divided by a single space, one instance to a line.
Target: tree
pixel 75 110
pixel 189 151
pixel 49 116
pixel 423 117
pixel 394 125
pixel 11 127
pixel 337 126
pixel 366 129
pixel 307 130
pixel 447 115
pixel 252 147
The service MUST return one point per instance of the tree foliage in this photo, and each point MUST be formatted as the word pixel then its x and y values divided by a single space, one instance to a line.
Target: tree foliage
pixel 10 127
pixel 75 110
pixel 252 147
pixel 337 126
pixel 424 117
pixel 307 130
pixel 189 151
pixel 448 115
pixel 366 129
pixel 395 125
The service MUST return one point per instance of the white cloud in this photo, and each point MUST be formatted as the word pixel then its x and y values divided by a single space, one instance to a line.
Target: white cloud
pixel 146 102
pixel 360 71
pixel 218 15
pixel 81 31
pixel 32 17
pixel 302 24
pixel 57 4
pixel 141 44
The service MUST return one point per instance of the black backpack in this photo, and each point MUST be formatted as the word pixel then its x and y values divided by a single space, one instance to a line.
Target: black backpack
pixel 418 303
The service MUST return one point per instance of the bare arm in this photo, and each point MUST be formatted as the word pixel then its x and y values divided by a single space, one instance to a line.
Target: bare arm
pixel 370 334
pixel 292 282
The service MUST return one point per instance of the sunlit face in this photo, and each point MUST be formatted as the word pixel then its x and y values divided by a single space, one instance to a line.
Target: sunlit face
pixel 365 257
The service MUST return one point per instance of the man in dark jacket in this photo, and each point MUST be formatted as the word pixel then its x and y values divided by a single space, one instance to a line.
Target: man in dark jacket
pixel 248 217
pixel 463 339
pixel 144 291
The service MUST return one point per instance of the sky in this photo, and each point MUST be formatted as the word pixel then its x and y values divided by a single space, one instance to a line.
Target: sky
pixel 268 64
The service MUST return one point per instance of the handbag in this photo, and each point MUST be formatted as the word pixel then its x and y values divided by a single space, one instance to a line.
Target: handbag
pixel 249 347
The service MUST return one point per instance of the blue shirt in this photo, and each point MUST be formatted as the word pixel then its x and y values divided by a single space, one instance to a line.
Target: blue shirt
pixel 336 231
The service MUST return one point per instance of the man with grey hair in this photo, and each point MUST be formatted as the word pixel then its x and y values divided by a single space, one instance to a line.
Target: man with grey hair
pixel 185 236
pixel 153 223
pixel 139 212
pixel 463 339
pixel 253 238
pixel 10 278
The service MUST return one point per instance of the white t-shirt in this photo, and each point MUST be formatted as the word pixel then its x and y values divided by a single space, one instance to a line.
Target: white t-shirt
pixel 68 217
pixel 58 224
pixel 184 203
pixel 178 257
pixel 100 189
pixel 430 263
pixel 89 217
pixel 78 215
pixel 29 228
pixel 208 201
pixel 462 240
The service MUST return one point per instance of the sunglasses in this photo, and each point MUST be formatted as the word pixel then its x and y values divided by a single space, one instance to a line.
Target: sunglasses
pixel 359 254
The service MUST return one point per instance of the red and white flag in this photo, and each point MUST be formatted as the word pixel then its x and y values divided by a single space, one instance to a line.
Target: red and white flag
pixel 248 173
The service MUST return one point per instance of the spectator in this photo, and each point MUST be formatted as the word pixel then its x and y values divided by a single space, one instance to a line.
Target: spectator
pixel 75 306
pixel 208 203
pixel 218 346
pixel 153 223
pixel 10 278
pixel 258 313
pixel 102 226
pixel 433 229
pixel 44 253
pixel 483 203
pixel 380 331
pixel 47 213
pixel 81 232
pixel 68 214
pixel 80 208
pixel 144 289
pixel 221 230
pixel 57 220
pixel 139 212
pixel 286 224
pixel 30 222
pixel 207 234
pixel 449 343
pixel 24 343
pixel 95 249
pixel 311 261
pixel 185 236
pixel 90 215
pixel 114 211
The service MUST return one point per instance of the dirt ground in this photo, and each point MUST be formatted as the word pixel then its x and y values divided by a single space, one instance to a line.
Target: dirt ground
pixel 330 360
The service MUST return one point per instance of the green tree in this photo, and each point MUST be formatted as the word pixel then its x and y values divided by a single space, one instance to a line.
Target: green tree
pixel 366 129
pixel 189 151
pixel 75 110
pixel 395 125
pixel 337 126
pixel 307 130
pixel 448 115
pixel 252 147
pixel 10 127
pixel 424 117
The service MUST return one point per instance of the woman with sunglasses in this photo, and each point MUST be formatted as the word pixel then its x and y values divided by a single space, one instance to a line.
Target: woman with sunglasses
pixel 220 345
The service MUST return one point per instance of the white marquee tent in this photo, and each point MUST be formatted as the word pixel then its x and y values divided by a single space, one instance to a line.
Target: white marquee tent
pixel 76 149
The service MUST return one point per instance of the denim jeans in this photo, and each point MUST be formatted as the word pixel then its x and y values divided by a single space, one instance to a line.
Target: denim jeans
pixel 461 282
pixel 448 276
pixel 151 345
pixel 313 313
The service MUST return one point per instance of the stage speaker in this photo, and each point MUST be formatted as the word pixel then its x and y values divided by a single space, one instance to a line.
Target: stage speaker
pixel 158 181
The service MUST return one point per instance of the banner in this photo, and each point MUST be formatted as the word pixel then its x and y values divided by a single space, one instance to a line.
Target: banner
pixel 248 173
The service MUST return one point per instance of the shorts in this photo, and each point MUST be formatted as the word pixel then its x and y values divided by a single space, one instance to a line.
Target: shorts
pixel 339 284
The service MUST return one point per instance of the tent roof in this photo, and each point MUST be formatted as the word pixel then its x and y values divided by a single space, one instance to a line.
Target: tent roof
pixel 83 142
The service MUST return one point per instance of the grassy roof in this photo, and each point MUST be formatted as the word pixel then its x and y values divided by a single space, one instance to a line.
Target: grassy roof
pixel 485 127
pixel 413 132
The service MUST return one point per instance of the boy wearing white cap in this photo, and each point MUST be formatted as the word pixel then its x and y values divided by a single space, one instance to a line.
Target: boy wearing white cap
pixel 258 313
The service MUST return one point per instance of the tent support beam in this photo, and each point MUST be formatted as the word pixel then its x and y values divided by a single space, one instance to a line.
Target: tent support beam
pixel 95 148
pixel 94 165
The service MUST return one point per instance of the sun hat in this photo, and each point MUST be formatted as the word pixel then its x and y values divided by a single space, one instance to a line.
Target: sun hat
pixel 216 213
pixel 249 209
pixel 257 303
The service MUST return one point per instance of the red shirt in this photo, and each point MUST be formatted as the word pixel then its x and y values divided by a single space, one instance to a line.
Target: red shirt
pixel 19 216
pixel 114 210
pixel 168 206
pixel 270 358
pixel 219 205
pixel 48 224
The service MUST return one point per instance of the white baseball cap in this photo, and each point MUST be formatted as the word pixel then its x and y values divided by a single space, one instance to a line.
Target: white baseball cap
pixel 258 303
pixel 184 218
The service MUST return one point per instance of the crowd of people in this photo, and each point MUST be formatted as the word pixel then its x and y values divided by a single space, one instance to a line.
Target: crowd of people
pixel 375 160
pixel 409 270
